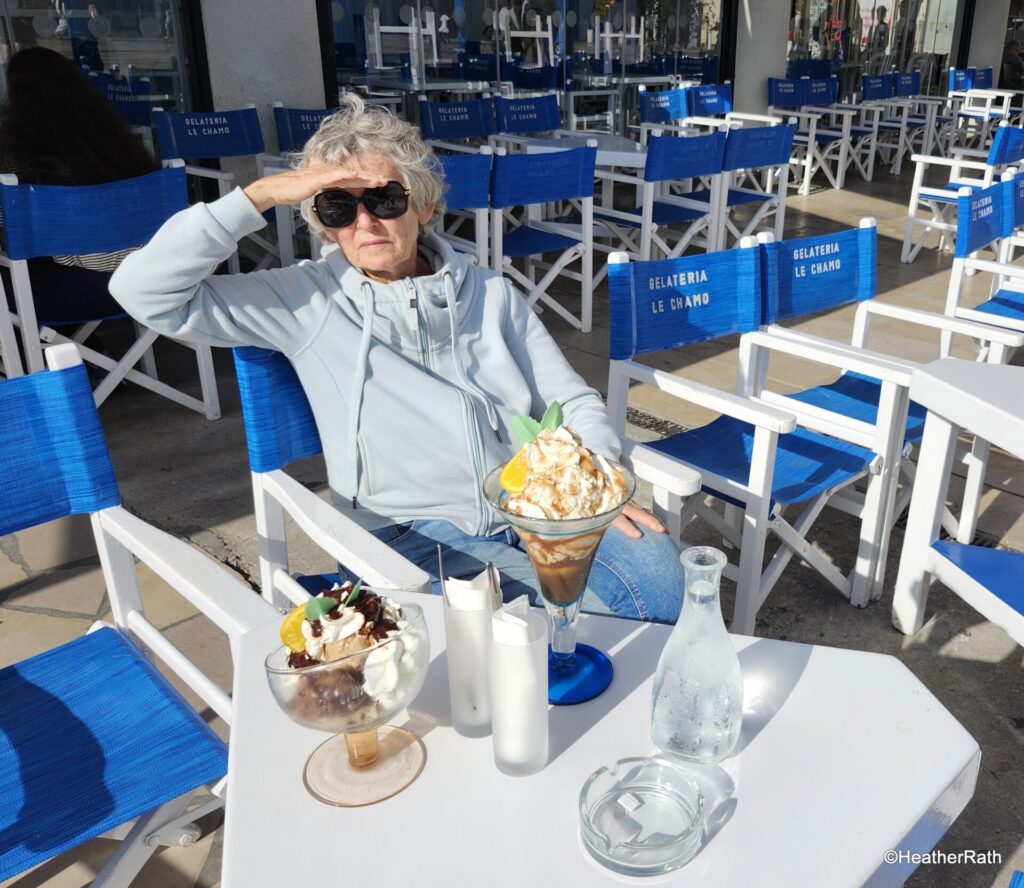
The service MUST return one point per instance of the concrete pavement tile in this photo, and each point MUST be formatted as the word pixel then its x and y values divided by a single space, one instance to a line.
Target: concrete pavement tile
pixel 207 647
pixel 10 573
pixel 163 605
pixel 76 590
pixel 24 634
pixel 57 543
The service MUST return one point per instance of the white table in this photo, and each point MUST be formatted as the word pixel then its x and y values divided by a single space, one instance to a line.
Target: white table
pixel 844 756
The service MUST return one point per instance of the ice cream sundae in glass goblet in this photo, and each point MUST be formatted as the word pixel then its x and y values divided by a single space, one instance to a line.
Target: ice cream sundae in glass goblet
pixel 351 660
pixel 561 498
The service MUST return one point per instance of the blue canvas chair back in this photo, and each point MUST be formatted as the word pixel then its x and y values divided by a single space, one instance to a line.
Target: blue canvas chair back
pixel 481 67
pixel 198 135
pixel 980 218
pixel 750 148
pixel 673 302
pixel 708 101
pixel 129 97
pixel 457 120
pixel 1007 146
pixel 58 220
pixel 689 67
pixel 55 460
pixel 812 274
pixel 1013 205
pixel 877 88
pixel 961 79
pixel 908 84
pixel 664 106
pixel 524 179
pixel 670 157
pixel 279 424
pixel 295 125
pixel 467 180
pixel 787 93
pixel 821 91
pixel 808 68
pixel 536 78
pixel 533 115
pixel 983 78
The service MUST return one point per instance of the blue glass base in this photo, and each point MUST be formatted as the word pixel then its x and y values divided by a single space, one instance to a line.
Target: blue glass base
pixel 592 676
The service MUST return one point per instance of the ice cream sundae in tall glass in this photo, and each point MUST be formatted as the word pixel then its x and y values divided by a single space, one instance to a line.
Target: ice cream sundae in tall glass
pixel 560 497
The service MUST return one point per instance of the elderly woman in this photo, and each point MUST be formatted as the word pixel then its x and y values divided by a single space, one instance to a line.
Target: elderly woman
pixel 414 360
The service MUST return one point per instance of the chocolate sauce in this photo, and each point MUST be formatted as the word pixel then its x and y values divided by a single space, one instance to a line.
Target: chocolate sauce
pixel 300 660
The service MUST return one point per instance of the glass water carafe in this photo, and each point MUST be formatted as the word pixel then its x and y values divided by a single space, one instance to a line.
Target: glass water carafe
pixel 698 687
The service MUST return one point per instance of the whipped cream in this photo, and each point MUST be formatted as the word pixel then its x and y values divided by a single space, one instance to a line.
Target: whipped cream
pixel 348 624
pixel 565 480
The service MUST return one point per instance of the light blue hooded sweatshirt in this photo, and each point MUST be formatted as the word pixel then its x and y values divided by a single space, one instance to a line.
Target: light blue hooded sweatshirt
pixel 412 384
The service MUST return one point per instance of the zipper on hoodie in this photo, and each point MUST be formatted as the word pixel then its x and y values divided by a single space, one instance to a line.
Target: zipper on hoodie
pixel 475 446
pixel 414 310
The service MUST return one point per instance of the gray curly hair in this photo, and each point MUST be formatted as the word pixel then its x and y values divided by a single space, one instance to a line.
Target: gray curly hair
pixel 356 130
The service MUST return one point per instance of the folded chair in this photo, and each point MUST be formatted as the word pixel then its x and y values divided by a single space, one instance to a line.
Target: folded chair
pixel 896 130
pixel 983 400
pixel 932 206
pixel 92 736
pixel 213 136
pixel 805 276
pixel 667 224
pixel 51 220
pixel 533 181
pixel 467 199
pixel 754 457
pixel 280 429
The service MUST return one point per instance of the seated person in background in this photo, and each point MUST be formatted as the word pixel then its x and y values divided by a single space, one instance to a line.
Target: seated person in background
pixel 57 129
pixel 414 359
pixel 1013 66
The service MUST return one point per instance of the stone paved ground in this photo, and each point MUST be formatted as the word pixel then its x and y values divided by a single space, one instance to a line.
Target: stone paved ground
pixel 189 476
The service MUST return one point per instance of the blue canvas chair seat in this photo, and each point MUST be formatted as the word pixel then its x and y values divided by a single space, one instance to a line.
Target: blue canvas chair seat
pixel 60 713
pixel 857 395
pixel 56 220
pixel 983 400
pixel 92 736
pixel 1004 304
pixel 280 429
pixel 806 464
pixel 528 241
pixel 661 214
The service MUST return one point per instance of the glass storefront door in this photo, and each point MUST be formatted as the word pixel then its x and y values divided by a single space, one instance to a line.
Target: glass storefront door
pixel 139 40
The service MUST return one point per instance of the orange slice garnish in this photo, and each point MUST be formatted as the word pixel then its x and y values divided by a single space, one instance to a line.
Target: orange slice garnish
pixel 513 476
pixel 291 629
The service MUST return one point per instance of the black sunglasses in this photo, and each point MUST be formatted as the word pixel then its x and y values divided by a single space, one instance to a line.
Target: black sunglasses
pixel 338 209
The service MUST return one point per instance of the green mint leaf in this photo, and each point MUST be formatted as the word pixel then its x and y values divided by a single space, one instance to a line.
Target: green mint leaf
pixel 354 594
pixel 317 608
pixel 525 428
pixel 552 416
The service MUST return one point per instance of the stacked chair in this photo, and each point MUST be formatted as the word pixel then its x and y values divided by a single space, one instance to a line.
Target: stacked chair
pixel 92 736
pixel 74 220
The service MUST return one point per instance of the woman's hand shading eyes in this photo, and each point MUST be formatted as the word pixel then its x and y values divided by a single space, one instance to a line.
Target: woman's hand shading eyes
pixel 294 186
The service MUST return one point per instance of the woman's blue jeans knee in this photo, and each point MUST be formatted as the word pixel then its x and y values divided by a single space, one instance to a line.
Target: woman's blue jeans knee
pixel 641 579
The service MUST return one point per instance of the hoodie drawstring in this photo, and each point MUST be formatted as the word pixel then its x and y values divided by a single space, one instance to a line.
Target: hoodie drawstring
pixel 356 398
pixel 460 371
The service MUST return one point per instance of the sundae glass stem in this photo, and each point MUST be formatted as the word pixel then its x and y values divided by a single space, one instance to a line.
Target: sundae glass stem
pixel 563 636
pixel 362 747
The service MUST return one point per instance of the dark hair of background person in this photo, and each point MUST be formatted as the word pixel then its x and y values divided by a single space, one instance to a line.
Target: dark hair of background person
pixel 56 128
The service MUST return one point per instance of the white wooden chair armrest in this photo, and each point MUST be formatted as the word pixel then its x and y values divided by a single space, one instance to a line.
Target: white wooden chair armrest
pixel 453 146
pixel 343 539
pixel 714 399
pixel 930 159
pixel 697 120
pixel 661 470
pixel 512 140
pixel 207 173
pixel 828 352
pixel 755 118
pixel 943 322
pixel 656 128
pixel 226 600
pixel 960 152
pixel 846 110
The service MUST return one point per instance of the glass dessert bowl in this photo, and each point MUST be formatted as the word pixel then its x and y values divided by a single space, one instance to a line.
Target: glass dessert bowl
pixel 562 551
pixel 353 696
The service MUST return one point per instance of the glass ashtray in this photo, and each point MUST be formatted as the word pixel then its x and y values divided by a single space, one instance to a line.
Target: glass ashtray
pixel 642 816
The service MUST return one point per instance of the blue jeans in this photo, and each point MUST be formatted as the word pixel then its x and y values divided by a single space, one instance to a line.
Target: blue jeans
pixel 640 579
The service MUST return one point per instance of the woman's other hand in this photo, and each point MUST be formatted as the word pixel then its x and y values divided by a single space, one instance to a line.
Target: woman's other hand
pixel 294 186
pixel 632 518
